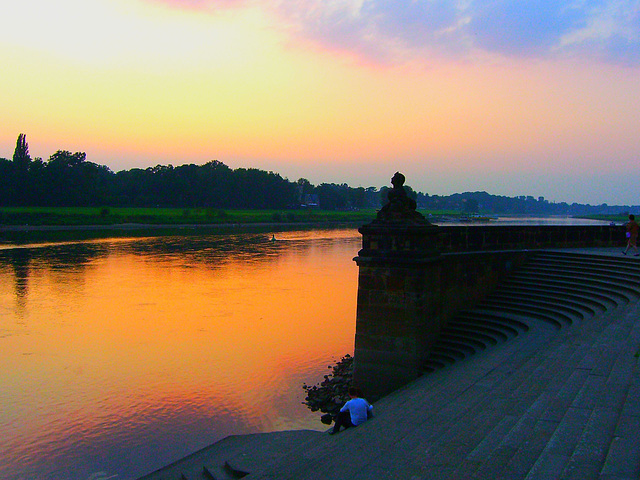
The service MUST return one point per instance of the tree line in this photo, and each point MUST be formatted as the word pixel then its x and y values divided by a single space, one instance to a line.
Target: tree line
pixel 68 179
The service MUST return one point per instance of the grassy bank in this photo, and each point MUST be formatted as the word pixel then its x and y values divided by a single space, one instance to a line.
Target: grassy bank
pixel 25 225
pixel 72 216
pixel 608 218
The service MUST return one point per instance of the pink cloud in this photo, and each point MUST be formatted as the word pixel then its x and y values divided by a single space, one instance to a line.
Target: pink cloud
pixel 386 31
pixel 202 4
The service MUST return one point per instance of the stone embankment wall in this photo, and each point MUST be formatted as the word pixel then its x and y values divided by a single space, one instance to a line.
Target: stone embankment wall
pixel 467 278
pixel 412 281
pixel 495 237
pixel 476 258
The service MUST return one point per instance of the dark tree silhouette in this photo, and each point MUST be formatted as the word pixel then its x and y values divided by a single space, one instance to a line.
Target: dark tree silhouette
pixel 7 185
pixel 72 181
pixel 68 179
pixel 470 205
pixel 21 158
pixel 21 191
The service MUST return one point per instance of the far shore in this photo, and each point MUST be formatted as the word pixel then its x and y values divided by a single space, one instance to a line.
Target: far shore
pixel 16 235
pixel 156 226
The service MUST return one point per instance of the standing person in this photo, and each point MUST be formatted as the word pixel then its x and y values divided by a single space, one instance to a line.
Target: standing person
pixel 632 235
pixel 355 412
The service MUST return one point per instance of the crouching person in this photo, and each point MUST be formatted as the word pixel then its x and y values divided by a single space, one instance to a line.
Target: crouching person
pixel 355 412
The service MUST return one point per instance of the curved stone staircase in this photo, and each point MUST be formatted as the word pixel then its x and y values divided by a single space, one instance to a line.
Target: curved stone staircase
pixel 555 289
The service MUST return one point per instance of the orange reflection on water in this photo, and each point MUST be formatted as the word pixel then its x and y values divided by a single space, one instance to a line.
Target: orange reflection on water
pixel 133 340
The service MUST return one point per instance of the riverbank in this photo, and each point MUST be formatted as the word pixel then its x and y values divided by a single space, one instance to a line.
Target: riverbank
pixel 37 224
pixel 50 216
pixel 22 225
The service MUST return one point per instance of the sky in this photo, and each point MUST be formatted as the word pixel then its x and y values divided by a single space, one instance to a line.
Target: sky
pixel 511 97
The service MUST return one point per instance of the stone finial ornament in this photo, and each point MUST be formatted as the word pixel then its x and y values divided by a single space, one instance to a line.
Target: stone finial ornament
pixel 399 207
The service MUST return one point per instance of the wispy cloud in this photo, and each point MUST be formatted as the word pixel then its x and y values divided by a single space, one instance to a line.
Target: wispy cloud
pixel 392 30
pixel 610 31
pixel 530 28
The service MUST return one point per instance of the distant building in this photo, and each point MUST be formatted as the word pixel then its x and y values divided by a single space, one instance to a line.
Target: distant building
pixel 310 200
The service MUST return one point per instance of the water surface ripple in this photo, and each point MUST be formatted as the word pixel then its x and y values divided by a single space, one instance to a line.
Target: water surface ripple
pixel 122 355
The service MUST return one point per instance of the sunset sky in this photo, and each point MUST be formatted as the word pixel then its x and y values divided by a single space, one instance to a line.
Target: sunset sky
pixel 512 97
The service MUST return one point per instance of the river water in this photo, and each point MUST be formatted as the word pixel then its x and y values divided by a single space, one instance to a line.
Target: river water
pixel 119 356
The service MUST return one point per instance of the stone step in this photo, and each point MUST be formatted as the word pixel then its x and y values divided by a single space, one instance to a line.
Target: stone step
pixel 485 372
pixel 439 356
pixel 552 286
pixel 476 345
pixel 451 352
pixel 234 455
pixel 562 425
pixel 593 261
pixel 500 309
pixel 545 300
pixel 503 321
pixel 558 316
pixel 605 261
pixel 530 318
pixel 605 286
pixel 623 456
pixel 223 472
pixel 503 314
pixel 600 302
pixel 465 349
pixel 487 414
pixel 486 367
pixel 517 439
pixel 628 275
pixel 573 415
pixel 500 379
pixel 474 334
pixel 619 453
pixel 481 322
pixel 571 311
pixel 489 327
pixel 558 394
pixel 610 279
pixel 570 296
pixel 498 401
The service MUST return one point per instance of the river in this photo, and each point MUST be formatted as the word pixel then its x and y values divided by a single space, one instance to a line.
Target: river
pixel 121 355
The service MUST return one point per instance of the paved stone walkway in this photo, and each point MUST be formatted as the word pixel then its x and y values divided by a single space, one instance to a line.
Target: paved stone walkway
pixel 549 404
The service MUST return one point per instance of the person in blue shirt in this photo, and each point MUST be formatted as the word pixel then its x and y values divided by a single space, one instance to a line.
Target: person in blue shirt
pixel 355 412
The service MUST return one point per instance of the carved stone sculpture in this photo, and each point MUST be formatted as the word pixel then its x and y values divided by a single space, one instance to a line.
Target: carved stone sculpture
pixel 399 206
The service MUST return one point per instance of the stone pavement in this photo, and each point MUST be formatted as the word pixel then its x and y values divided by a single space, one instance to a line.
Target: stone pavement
pixel 547 404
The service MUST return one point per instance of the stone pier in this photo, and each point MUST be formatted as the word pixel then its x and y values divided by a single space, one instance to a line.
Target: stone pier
pixel 398 293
